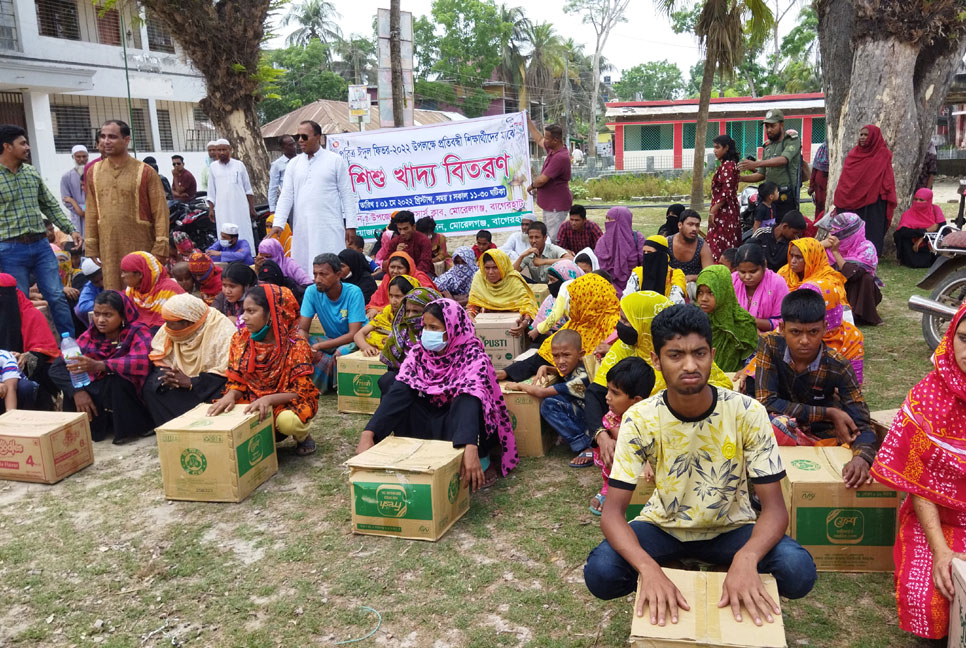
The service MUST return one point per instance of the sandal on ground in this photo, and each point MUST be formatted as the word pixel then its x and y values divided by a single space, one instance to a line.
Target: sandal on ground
pixel 489 478
pixel 600 497
pixel 305 448
pixel 586 454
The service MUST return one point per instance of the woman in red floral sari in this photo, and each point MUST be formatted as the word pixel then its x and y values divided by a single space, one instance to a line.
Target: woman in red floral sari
pixel 724 228
pixel 924 454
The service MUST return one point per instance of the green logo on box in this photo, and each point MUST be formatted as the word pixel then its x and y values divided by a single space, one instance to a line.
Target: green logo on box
pixel 391 500
pixel 193 461
pixel 806 464
pixel 202 422
pixel 454 488
pixel 513 421
pixel 845 526
pixel 405 501
pixel 252 452
pixel 363 385
pixel 865 526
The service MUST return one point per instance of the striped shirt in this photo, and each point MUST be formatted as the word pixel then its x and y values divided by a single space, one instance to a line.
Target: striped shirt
pixel 24 202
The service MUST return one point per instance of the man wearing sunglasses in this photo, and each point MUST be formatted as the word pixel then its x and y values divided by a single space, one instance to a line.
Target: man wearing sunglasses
pixel 317 195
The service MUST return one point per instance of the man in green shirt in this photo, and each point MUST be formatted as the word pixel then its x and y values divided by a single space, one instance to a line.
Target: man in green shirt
pixel 781 163
pixel 24 202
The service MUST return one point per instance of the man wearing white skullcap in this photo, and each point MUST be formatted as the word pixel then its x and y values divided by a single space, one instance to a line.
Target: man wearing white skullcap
pixel 212 156
pixel 93 287
pixel 229 248
pixel 71 189
pixel 230 193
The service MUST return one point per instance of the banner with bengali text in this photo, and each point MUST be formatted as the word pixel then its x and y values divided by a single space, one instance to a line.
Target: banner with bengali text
pixel 467 175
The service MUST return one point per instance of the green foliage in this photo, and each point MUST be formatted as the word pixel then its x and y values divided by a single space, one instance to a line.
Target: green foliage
pixel 302 76
pixel 433 93
pixel 316 20
pixel 651 80
pixel 625 186
pixel 425 47
pixel 469 47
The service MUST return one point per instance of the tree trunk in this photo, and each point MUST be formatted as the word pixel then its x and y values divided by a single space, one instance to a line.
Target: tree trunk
pixel 700 134
pixel 395 63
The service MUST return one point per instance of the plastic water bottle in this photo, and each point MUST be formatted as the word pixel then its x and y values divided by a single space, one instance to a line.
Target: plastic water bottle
pixel 70 349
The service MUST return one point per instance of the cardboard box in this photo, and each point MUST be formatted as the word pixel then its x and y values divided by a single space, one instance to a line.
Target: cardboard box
pixel 216 458
pixel 540 291
pixel 407 488
pixel 494 330
pixel 957 609
pixel 44 447
pixel 882 421
pixel 358 380
pixel 705 624
pixel 642 493
pixel 845 530
pixel 533 435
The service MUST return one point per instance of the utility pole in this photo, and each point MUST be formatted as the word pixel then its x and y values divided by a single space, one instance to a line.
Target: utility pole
pixel 567 98
pixel 395 63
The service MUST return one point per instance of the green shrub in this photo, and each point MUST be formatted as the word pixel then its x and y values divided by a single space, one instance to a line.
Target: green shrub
pixel 625 186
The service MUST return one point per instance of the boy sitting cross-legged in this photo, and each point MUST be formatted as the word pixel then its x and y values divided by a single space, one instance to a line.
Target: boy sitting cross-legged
pixel 706 444
pixel 563 402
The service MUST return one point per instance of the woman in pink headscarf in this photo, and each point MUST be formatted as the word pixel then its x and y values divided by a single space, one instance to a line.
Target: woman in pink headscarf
pixel 271 250
pixel 854 256
pixel 619 250
pixel 921 217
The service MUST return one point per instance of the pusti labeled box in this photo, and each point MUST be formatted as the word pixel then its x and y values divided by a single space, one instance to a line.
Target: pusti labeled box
pixel 845 530
pixel 407 488
pixel 216 458
pixel 493 329
pixel 705 624
pixel 957 608
pixel 358 380
pixel 533 435
pixel 43 447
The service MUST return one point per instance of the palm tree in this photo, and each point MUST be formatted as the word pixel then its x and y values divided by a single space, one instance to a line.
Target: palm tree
pixel 720 31
pixel 512 68
pixel 358 58
pixel 316 19
pixel 546 62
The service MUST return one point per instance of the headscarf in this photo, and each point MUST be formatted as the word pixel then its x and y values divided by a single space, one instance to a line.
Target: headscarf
pixel 382 322
pixel 511 293
pixel 200 348
pixel 359 274
pixel 183 243
pixel 820 161
pixel 817 269
pixel 867 175
pixel 654 266
pixel 462 367
pixel 458 279
pixel 619 250
pixel 922 215
pixel 207 275
pixel 128 356
pixel 671 224
pixel 156 286
pixel 263 368
pixel 23 328
pixel 243 275
pixel 594 261
pixel 924 452
pixel 381 298
pixel 733 331
pixel 594 311
pixel 840 335
pixel 564 271
pixel 766 301
pixel 640 308
pixel 274 250
pixel 65 268
pixel 406 330
pixel 853 246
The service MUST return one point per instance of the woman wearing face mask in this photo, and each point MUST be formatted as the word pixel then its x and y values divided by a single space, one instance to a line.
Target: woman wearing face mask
pixel 552 313
pixel 446 390
pixel 656 274
pixel 759 290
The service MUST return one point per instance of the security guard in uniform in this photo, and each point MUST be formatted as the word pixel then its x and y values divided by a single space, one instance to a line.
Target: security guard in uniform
pixel 781 163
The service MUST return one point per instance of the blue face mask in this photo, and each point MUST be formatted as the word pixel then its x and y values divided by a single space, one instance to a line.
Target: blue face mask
pixel 433 340
pixel 258 336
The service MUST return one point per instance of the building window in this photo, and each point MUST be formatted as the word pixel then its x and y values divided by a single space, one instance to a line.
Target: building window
pixel 164 130
pixel 109 27
pixel 140 135
pixel 689 131
pixel 818 130
pixel 748 135
pixel 657 137
pixel 159 40
pixel 72 126
pixel 58 18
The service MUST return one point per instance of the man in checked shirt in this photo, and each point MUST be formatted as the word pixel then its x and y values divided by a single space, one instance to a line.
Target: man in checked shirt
pixel 808 387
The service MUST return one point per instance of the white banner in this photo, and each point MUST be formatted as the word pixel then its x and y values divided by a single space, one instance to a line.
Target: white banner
pixel 467 175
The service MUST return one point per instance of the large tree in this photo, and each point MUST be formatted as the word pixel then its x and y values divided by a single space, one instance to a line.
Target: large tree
pixel 720 29
pixel 304 75
pixel 546 62
pixel 315 20
pixel 602 16
pixel 222 38
pixel 650 81
pixel 888 64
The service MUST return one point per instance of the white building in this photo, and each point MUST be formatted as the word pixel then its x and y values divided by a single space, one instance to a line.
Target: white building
pixel 62 74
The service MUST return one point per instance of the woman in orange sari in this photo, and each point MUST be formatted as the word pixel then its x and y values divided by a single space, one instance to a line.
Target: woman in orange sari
pixel 924 455
pixel 270 366
pixel 808 263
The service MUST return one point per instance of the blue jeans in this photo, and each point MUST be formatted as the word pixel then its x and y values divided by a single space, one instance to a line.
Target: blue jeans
pixel 566 416
pixel 609 576
pixel 20 259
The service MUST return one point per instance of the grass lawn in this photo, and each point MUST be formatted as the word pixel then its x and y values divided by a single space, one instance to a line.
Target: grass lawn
pixel 103 559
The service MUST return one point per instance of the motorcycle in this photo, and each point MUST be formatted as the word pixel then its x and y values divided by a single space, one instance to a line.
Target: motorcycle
pixel 947 279
pixel 192 219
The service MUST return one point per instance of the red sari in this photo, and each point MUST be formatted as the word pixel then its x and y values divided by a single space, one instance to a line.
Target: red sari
pixel 725 232
pixel 924 454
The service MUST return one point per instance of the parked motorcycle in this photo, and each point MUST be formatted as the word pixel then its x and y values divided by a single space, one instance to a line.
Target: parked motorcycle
pixel 947 279
pixel 192 219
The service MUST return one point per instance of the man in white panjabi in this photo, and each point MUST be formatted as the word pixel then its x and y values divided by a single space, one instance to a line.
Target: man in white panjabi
pixel 230 193
pixel 317 195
